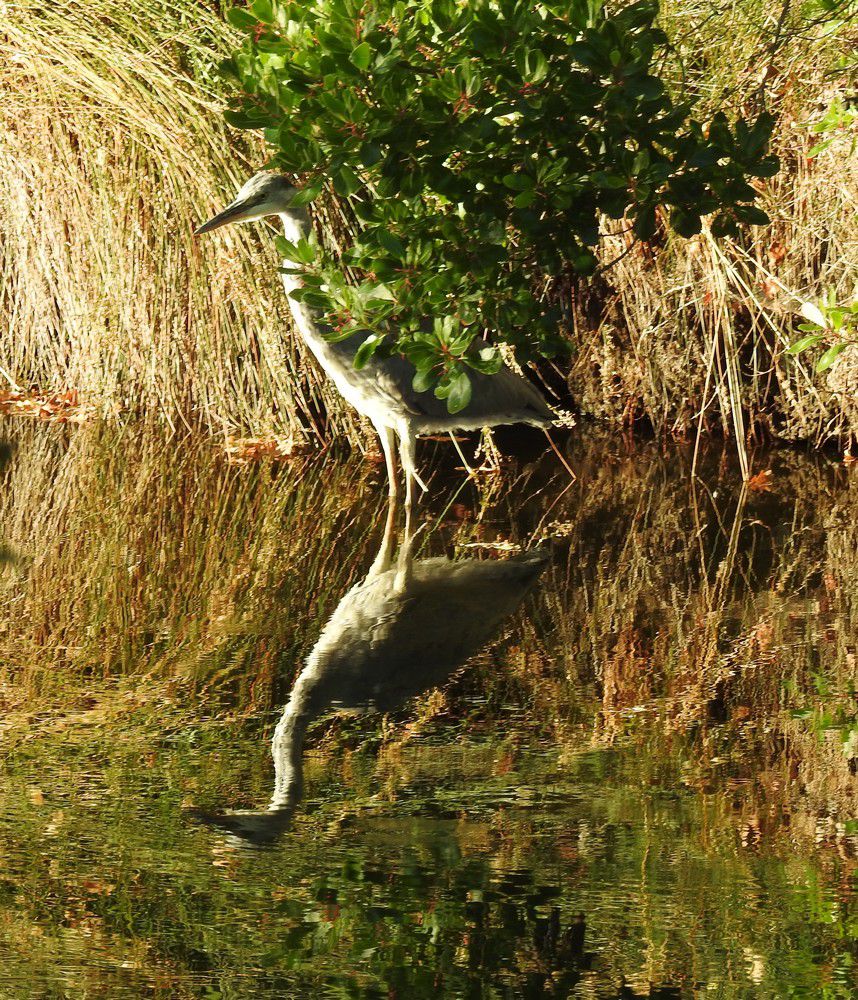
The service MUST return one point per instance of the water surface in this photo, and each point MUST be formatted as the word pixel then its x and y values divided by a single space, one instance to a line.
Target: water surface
pixel 643 785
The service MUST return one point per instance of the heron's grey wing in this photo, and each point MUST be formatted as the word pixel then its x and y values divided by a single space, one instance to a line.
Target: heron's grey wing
pixel 495 399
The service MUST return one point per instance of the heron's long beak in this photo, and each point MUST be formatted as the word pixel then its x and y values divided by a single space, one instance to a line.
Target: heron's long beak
pixel 238 211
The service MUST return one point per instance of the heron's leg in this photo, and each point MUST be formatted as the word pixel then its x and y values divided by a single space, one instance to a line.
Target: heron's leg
pixel 384 558
pixel 388 446
pixel 405 559
pixel 407 453
pixel 407 449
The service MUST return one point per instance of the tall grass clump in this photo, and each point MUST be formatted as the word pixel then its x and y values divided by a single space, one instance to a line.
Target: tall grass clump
pixel 113 149
pixel 694 334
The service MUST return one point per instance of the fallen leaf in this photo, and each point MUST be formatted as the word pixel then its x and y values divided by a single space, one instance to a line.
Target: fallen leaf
pixel 241 451
pixel 769 289
pixel 62 407
pixel 761 481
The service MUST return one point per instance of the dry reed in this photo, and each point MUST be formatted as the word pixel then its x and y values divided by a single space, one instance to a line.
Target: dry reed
pixel 113 149
pixel 692 336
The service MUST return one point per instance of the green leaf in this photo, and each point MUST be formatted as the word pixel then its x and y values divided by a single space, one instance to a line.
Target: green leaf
pixel 378 293
pixel 346 181
pixel 532 65
pixel 370 154
pixel 646 223
pixel 768 166
pixel 752 215
pixel 724 225
pixel 263 9
pixel 460 393
pixel 685 223
pixel 304 252
pixel 360 56
pixel 392 244
pixel 802 345
pixel 488 361
pixel 366 350
pixel 423 380
pixel 610 181
pixel 518 182
pixel 242 19
pixel 584 262
pixel 308 193
pixel 286 248
pixel 829 357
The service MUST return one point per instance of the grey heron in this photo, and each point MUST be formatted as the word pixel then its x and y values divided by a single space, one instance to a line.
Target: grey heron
pixel 382 391
pixel 403 629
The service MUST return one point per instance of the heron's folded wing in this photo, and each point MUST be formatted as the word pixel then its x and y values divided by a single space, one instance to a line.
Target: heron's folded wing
pixel 501 398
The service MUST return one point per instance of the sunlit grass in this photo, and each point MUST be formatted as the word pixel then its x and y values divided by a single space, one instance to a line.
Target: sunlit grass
pixel 114 149
pixel 693 335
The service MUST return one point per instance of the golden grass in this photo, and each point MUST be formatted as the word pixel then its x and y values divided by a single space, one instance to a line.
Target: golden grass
pixel 113 149
pixel 692 336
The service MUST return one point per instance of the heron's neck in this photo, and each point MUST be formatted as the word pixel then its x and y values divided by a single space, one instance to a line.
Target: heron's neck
pixel 296 225
pixel 287 748
pixel 306 701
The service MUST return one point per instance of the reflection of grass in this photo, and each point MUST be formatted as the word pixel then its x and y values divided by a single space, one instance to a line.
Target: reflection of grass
pixel 179 563
pixel 726 617
pixel 718 620
pixel 634 743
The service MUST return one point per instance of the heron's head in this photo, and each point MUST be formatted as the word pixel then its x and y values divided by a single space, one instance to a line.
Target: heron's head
pixel 264 194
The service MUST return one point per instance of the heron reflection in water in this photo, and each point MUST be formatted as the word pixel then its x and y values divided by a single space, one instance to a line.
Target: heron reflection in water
pixel 402 630
pixel 382 390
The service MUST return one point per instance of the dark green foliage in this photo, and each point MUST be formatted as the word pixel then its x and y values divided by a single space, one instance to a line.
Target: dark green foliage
pixel 479 145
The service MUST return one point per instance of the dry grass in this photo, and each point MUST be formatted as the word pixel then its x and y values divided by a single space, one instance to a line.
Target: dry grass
pixel 693 335
pixel 113 150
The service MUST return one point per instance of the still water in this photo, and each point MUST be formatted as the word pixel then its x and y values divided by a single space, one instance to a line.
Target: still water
pixel 642 782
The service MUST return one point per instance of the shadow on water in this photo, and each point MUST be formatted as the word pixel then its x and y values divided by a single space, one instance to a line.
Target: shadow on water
pixel 643 786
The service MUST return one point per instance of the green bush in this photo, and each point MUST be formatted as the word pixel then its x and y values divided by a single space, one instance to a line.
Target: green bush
pixel 479 144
